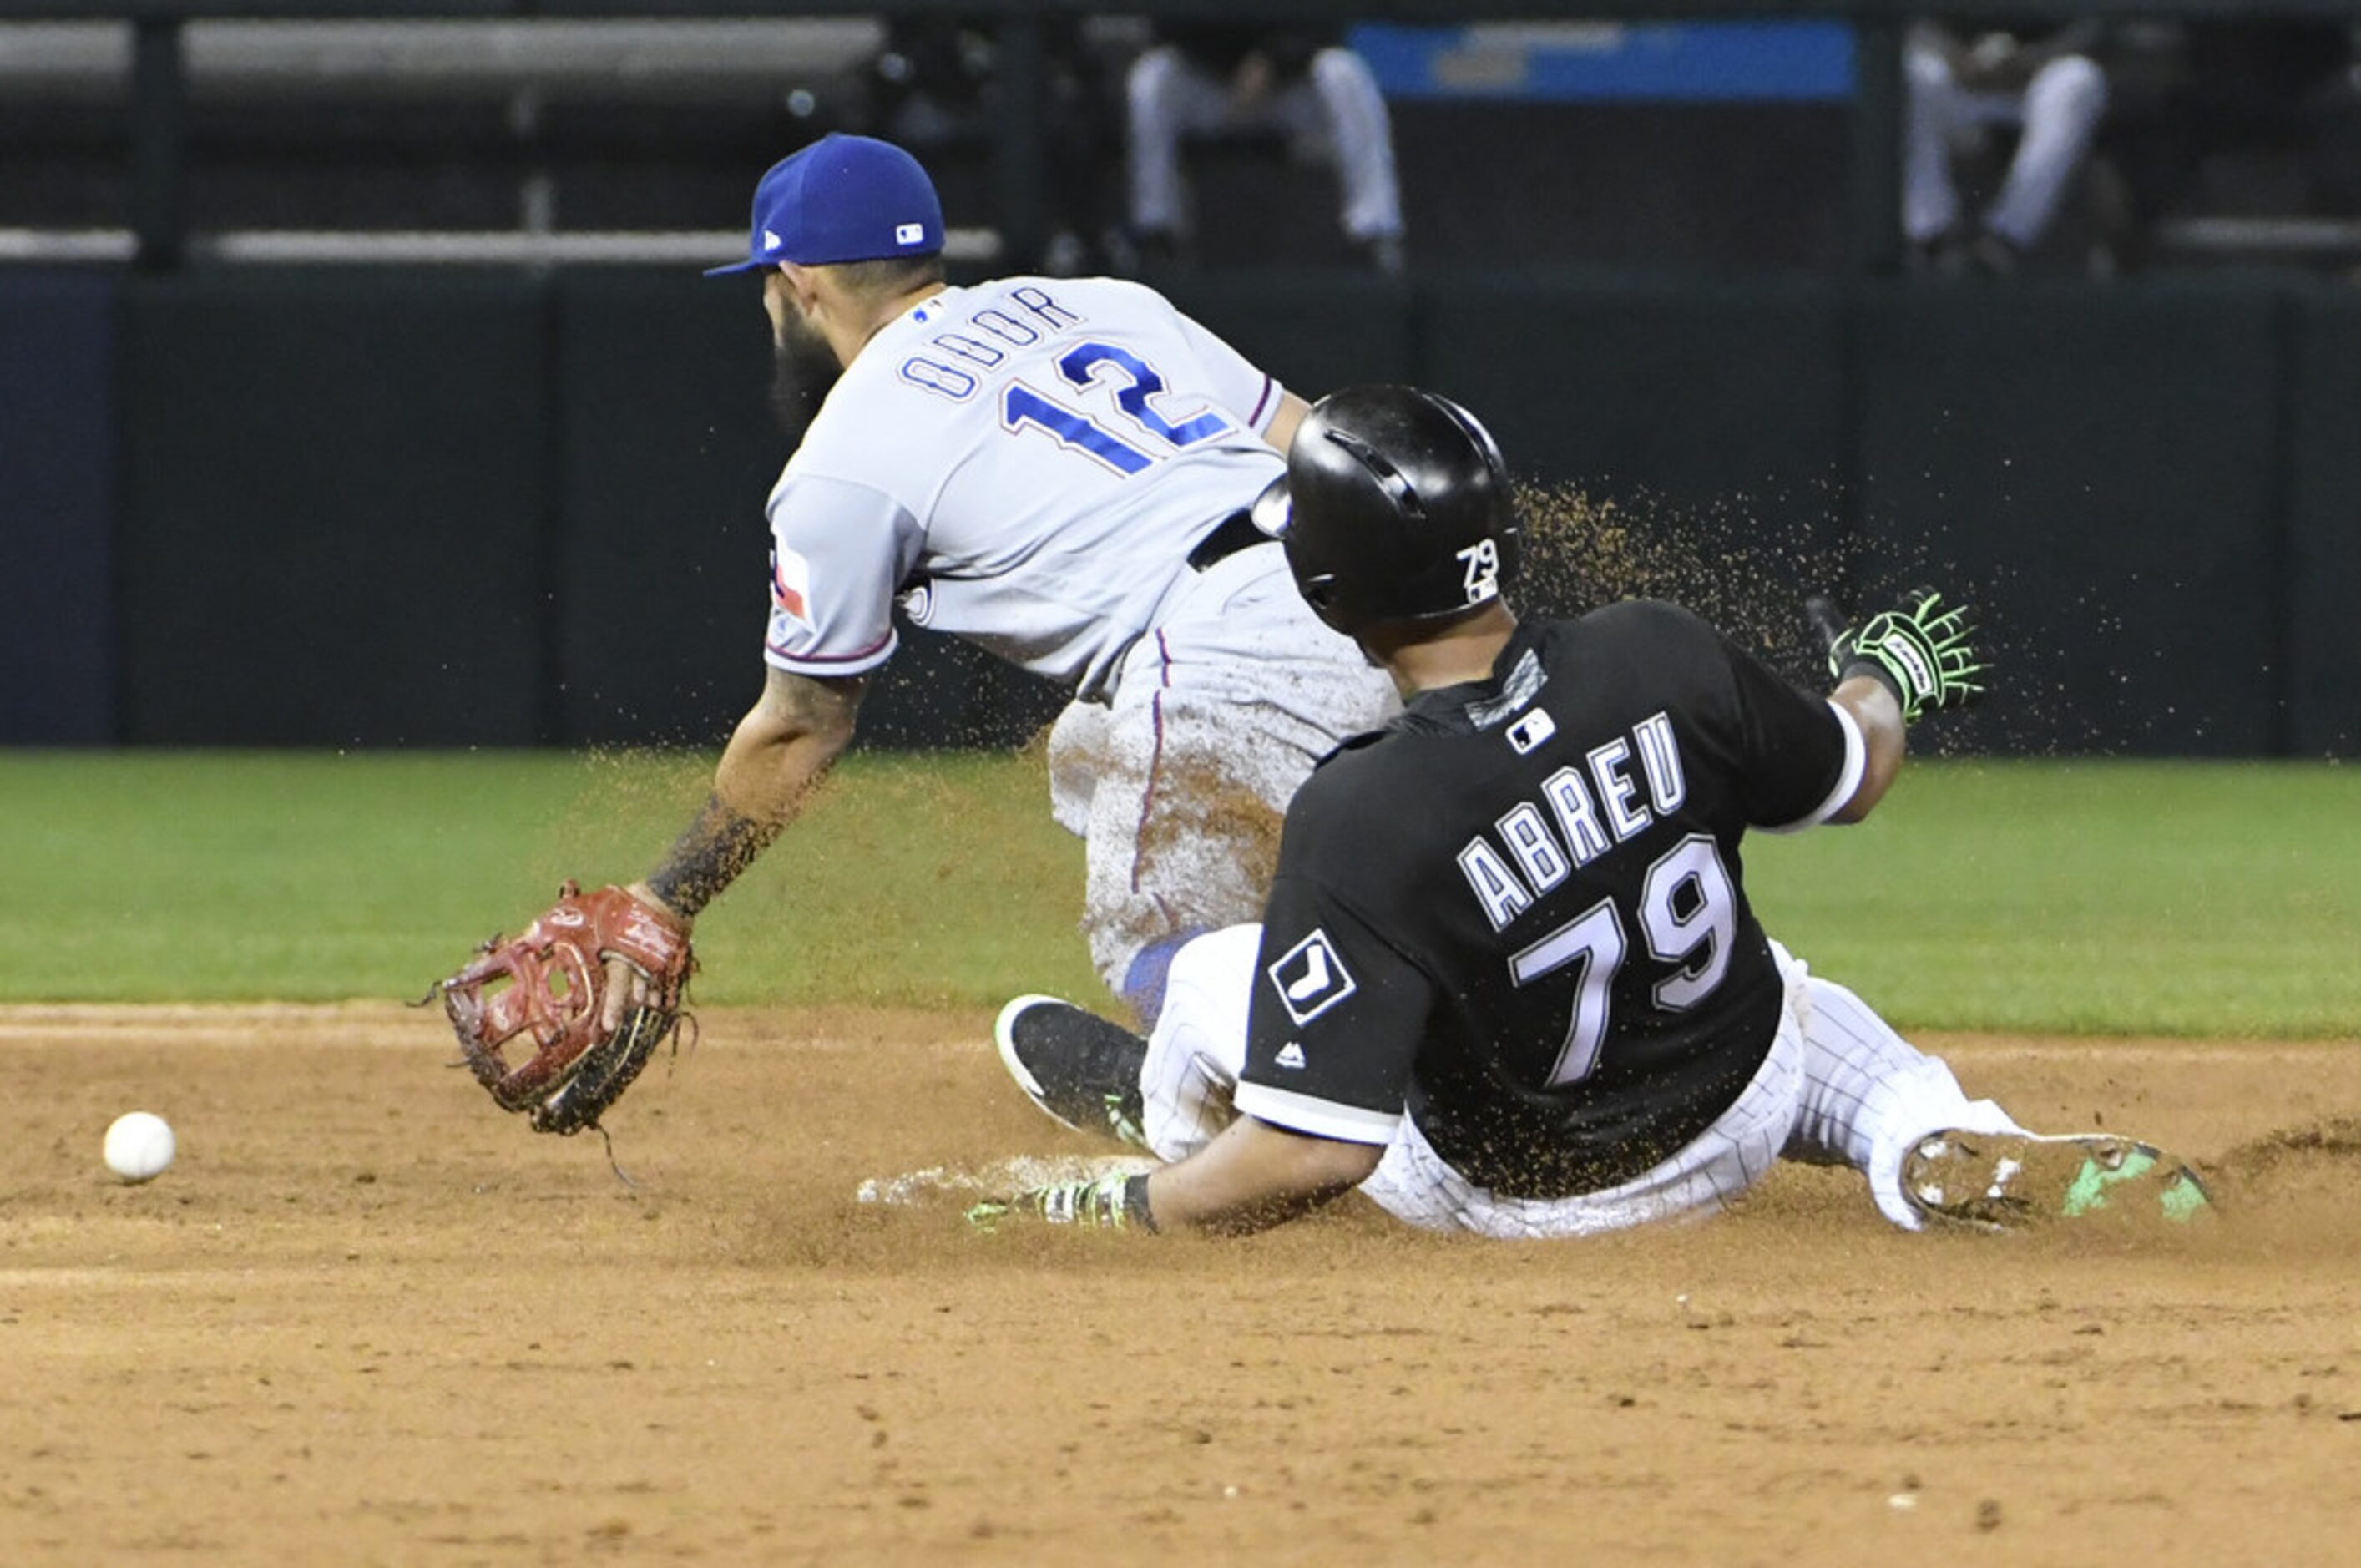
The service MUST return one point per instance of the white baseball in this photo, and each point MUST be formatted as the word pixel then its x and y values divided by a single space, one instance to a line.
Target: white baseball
pixel 139 1146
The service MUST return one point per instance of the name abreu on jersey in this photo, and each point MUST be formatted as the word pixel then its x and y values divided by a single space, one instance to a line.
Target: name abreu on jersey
pixel 1554 917
pixel 1578 814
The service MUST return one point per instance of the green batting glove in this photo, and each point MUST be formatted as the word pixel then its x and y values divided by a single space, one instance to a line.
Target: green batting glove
pixel 1107 1203
pixel 1920 651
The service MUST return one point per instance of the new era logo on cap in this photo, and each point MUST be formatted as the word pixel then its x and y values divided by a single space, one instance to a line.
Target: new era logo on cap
pixel 1311 978
pixel 771 241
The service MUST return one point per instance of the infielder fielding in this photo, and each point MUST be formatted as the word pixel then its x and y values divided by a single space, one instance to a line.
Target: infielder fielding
pixel 1060 471
pixel 1508 980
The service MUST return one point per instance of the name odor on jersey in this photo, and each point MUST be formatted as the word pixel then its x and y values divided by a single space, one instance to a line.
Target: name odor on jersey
pixel 1582 813
pixel 949 380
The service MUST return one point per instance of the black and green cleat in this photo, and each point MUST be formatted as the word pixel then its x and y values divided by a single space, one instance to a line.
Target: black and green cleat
pixel 1082 1070
pixel 2014 1182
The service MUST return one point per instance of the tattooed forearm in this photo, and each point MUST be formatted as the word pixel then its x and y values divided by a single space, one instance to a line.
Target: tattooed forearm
pixel 779 752
pixel 708 857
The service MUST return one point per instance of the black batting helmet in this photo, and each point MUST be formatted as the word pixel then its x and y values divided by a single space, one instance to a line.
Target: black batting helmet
pixel 1395 506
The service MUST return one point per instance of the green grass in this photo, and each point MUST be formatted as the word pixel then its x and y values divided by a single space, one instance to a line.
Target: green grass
pixel 2087 897
pixel 2090 897
pixel 211 876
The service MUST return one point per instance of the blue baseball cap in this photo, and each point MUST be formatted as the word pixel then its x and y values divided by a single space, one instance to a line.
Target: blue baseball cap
pixel 842 199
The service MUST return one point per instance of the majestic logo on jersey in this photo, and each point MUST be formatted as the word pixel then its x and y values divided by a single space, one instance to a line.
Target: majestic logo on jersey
pixel 1290 1055
pixel 1311 978
pixel 918 603
pixel 791 585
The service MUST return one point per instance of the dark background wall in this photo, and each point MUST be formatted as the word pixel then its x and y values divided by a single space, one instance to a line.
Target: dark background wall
pixel 2318 637
pixel 663 460
pixel 2101 464
pixel 57 508
pixel 336 510
pixel 377 509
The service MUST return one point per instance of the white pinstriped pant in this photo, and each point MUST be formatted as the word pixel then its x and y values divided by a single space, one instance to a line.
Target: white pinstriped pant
pixel 2059 110
pixel 1177 784
pixel 1839 1087
pixel 1338 103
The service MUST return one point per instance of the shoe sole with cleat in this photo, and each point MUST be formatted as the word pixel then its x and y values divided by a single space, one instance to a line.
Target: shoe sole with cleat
pixel 2012 1181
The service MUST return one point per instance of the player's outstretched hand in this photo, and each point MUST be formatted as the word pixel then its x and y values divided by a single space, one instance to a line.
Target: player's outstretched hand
pixel 590 989
pixel 1922 650
pixel 1107 1202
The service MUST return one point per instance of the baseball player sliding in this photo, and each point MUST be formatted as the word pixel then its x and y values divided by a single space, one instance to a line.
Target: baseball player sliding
pixel 1059 470
pixel 1508 981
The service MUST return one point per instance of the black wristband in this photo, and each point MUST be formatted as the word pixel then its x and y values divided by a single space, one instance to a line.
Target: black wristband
pixel 1876 670
pixel 1135 1204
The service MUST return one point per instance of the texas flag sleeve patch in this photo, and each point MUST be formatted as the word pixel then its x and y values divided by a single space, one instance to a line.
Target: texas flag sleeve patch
pixel 791 585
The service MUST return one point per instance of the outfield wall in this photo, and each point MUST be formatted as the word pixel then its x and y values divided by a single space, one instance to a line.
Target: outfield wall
pixel 375 509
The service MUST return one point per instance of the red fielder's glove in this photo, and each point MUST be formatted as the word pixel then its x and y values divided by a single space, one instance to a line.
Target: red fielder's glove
pixel 551 983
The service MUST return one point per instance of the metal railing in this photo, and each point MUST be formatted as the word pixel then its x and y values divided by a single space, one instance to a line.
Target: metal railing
pixel 159 85
pixel 446 58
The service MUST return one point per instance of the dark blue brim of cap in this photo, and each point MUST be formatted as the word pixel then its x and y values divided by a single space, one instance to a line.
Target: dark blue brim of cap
pixel 747 266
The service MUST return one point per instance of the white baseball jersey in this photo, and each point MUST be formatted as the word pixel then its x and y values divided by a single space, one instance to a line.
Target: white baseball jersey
pixel 1025 464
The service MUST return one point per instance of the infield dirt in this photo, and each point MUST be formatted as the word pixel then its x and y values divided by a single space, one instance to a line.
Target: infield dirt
pixel 367 1318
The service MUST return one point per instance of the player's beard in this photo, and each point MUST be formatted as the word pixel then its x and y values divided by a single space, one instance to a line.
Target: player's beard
pixel 802 367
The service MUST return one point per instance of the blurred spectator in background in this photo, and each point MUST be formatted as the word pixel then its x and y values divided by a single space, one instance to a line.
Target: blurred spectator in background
pixel 1205 78
pixel 2238 117
pixel 936 85
pixel 2044 82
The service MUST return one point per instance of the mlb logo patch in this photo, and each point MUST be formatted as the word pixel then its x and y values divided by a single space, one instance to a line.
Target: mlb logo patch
pixel 791 585
pixel 1531 730
pixel 1311 978
pixel 910 234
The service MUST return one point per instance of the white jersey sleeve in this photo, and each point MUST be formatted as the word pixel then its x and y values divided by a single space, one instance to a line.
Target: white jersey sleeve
pixel 1025 464
pixel 1234 381
pixel 839 552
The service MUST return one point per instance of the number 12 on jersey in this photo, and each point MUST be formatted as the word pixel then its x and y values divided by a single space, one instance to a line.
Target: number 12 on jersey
pixel 1135 383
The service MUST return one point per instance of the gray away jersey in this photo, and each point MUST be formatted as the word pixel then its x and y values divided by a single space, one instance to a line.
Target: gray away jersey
pixel 1025 464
